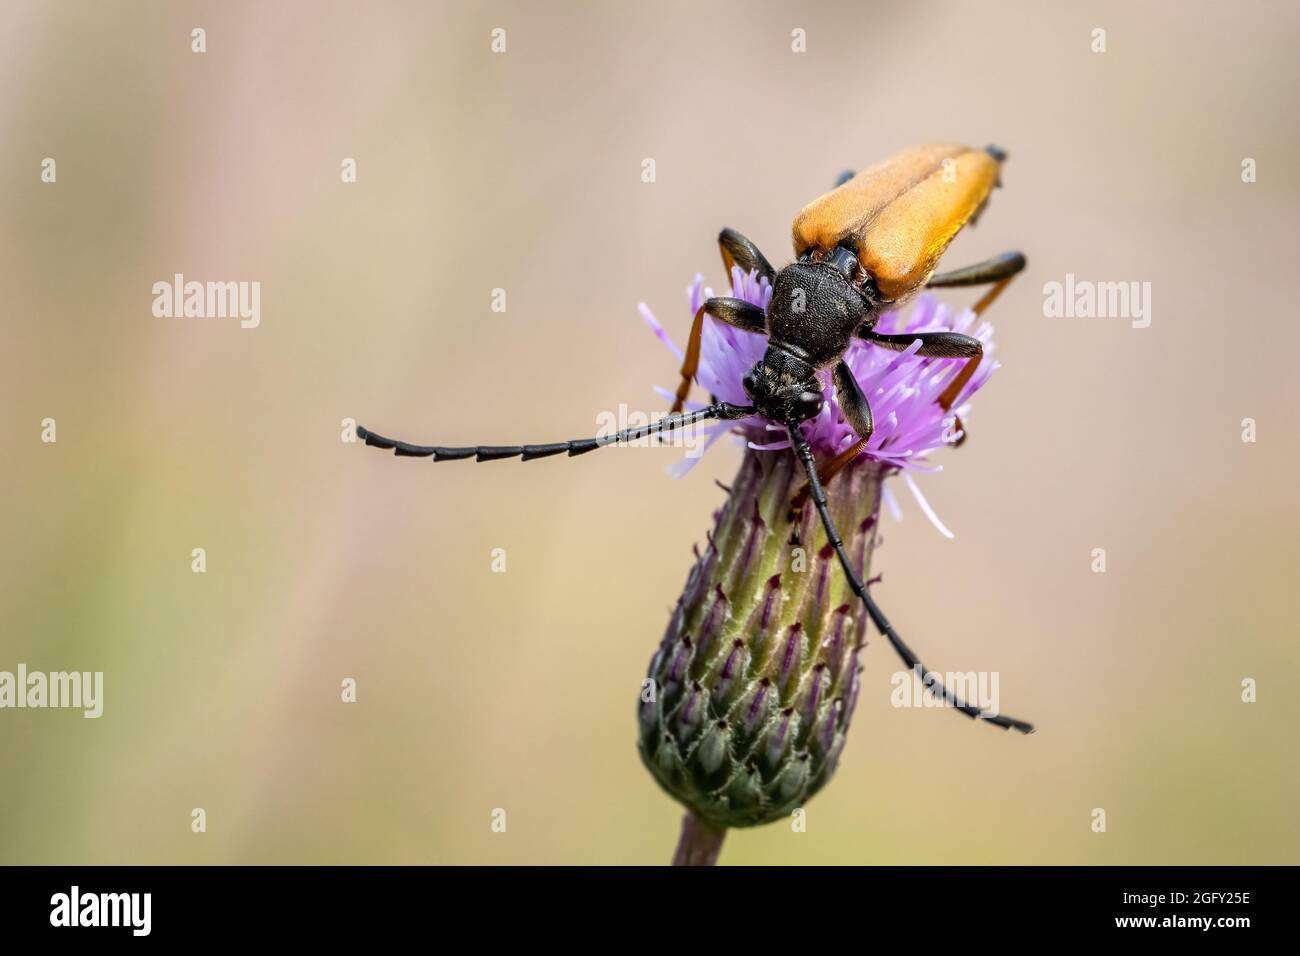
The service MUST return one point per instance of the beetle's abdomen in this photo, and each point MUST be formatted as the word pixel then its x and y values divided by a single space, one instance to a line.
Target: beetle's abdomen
pixel 900 215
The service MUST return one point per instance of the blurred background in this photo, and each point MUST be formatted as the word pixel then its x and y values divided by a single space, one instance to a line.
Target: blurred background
pixel 523 171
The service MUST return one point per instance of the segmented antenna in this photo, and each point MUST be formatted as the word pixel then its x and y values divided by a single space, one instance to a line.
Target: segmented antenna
pixel 579 446
pixel 929 678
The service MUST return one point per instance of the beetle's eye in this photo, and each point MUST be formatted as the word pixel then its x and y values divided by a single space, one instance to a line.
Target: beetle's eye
pixel 749 382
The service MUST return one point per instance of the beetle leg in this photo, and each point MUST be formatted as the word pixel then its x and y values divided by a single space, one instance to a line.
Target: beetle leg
pixel 941 345
pixel 981 273
pixel 959 382
pixel 857 411
pixel 933 344
pixel 999 270
pixel 735 312
pixel 856 408
pixel 739 251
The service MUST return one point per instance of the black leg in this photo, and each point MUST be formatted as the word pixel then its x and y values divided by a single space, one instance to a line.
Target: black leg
pixel 999 271
pixel 736 251
pixel 735 312
pixel 854 404
pixel 580 446
pixel 981 273
pixel 857 411
pixel 739 251
pixel 933 344
pixel 929 678
pixel 940 345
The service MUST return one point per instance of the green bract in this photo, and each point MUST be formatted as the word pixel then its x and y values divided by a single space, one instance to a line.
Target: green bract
pixel 749 696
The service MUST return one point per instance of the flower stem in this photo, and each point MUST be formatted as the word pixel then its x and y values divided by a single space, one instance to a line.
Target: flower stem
pixel 699 844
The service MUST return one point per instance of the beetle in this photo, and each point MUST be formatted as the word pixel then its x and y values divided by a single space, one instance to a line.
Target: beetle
pixel 864 248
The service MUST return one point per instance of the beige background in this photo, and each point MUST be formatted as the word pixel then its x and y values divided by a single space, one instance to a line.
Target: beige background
pixel 517 690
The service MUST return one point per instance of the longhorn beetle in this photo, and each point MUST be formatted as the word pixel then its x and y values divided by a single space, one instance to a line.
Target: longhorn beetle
pixel 866 247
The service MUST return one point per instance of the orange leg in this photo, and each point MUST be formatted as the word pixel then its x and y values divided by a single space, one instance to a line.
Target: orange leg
pixel 691 362
pixel 736 250
pixel 959 381
pixel 737 313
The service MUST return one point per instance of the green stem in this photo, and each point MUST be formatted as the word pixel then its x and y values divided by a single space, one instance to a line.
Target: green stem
pixel 699 844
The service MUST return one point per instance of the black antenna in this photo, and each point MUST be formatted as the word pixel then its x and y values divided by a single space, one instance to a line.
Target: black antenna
pixel 724 411
pixel 579 446
pixel 913 663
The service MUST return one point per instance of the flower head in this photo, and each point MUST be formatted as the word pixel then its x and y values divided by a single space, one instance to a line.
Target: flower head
pixel 751 691
pixel 902 387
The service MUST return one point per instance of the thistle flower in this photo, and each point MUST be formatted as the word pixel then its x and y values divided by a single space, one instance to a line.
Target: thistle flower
pixel 750 694
pixel 902 387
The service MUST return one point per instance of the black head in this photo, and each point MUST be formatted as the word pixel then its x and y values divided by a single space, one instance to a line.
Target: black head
pixel 783 387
